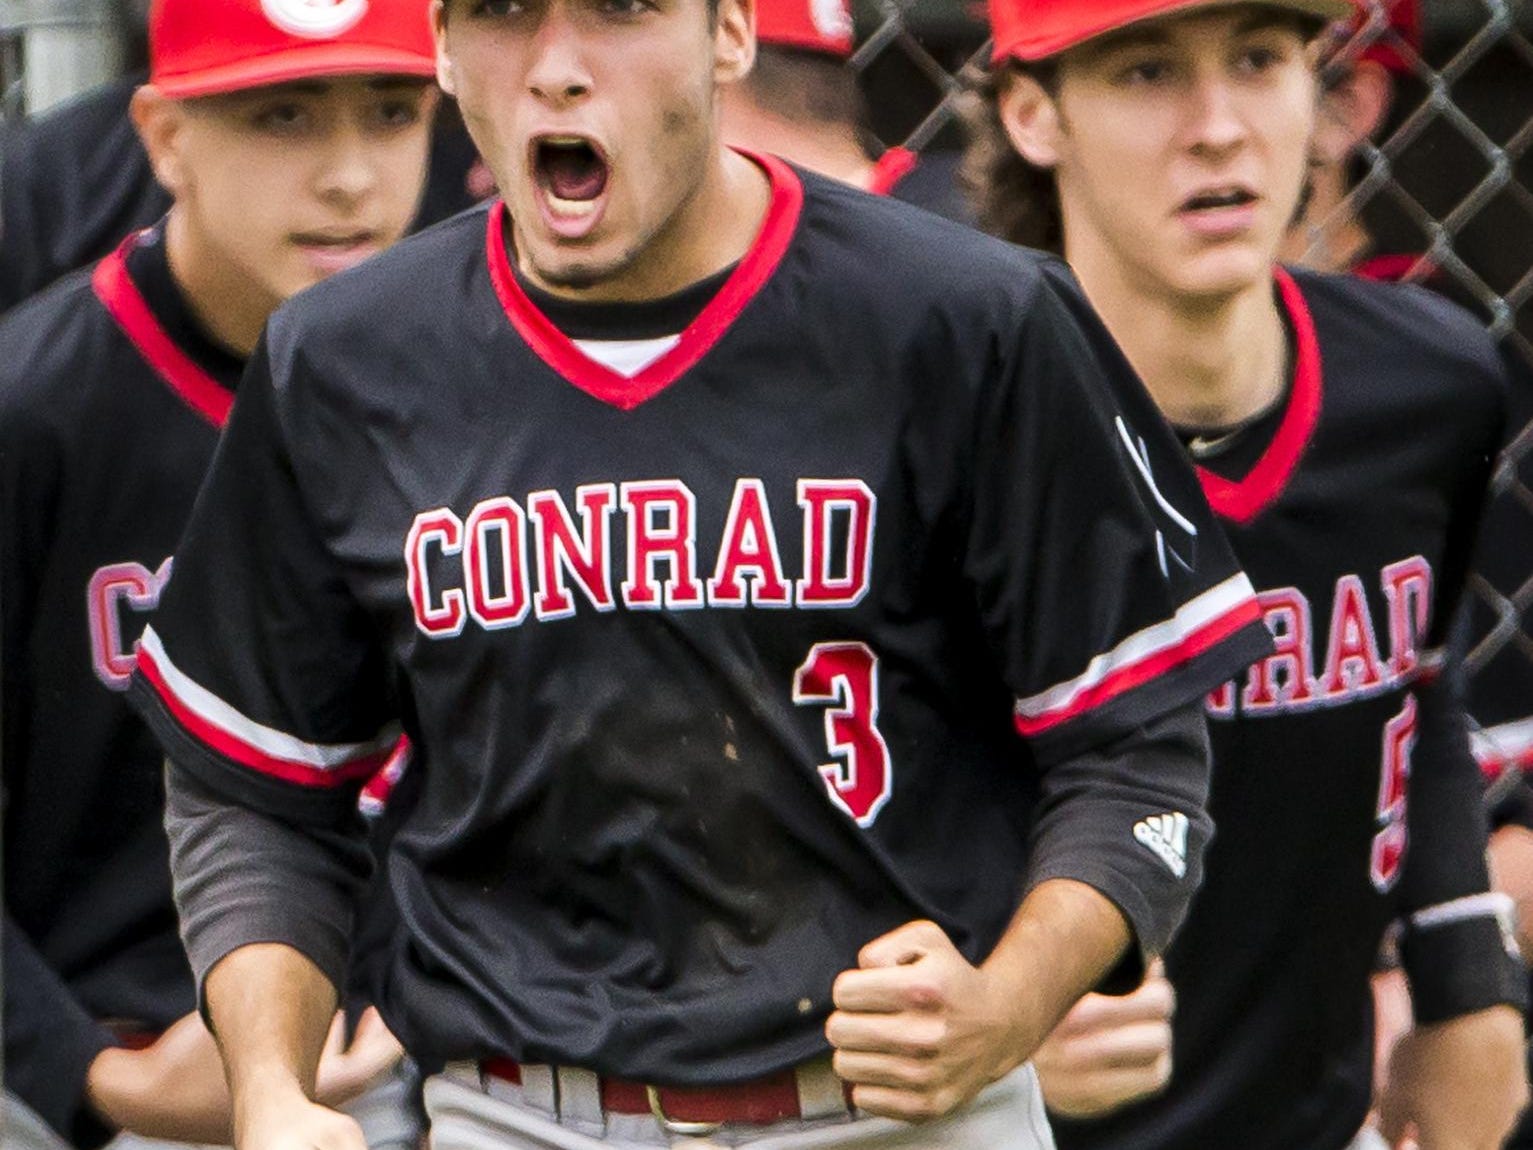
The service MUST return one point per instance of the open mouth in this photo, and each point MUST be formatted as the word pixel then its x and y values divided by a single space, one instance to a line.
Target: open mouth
pixel 571 171
pixel 1220 199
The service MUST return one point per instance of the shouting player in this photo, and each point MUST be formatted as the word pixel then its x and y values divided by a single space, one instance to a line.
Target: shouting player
pixel 1344 433
pixel 293 138
pixel 799 611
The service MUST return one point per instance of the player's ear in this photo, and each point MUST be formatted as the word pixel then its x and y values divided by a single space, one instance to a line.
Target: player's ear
pixel 1030 117
pixel 161 125
pixel 734 40
pixel 1352 110
pixel 445 78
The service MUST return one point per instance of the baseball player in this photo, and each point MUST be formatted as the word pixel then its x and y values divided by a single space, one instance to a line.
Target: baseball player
pixel 1344 434
pixel 801 102
pixel 799 613
pixel 77 179
pixel 293 138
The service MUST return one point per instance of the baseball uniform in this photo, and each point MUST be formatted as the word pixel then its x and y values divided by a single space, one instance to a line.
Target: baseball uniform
pixel 876 592
pixel 1343 785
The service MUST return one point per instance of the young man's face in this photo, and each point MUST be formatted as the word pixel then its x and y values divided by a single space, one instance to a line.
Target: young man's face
pixel 289 184
pixel 597 117
pixel 1182 147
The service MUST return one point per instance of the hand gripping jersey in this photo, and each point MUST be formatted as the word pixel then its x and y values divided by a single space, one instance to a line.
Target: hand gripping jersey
pixel 110 407
pixel 1343 788
pixel 715 671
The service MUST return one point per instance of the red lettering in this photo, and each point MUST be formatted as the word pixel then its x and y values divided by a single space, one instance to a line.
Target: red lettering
pixel 651 542
pixel 749 547
pixel 1282 679
pixel 1352 658
pixel 442 531
pixel 586 559
pixel 836 580
pixel 506 605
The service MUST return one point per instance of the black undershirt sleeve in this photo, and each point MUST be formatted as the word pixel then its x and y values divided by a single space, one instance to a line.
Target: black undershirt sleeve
pixel 1088 801
pixel 50 1043
pixel 244 877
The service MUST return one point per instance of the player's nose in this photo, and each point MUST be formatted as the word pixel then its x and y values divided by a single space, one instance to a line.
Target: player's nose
pixel 1215 114
pixel 348 172
pixel 558 74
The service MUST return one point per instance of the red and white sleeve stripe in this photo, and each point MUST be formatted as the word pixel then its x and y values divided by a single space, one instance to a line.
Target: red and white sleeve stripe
pixel 1199 625
pixel 220 727
pixel 1499 749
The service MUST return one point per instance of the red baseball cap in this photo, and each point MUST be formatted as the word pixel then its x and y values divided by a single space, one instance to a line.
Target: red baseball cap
pixel 1035 29
pixel 1401 31
pixel 813 25
pixel 203 47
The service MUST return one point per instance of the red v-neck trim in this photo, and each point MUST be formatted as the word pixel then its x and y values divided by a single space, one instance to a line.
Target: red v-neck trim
pixel 123 301
pixel 1243 500
pixel 623 392
pixel 891 167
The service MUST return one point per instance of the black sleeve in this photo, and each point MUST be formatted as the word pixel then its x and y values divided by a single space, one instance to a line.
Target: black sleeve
pixel 50 1042
pixel 1113 604
pixel 262 678
pixel 50 1039
pixel 261 675
pixel 244 877
pixel 1087 802
pixel 1456 944
pixel 1106 586
pixel 21 258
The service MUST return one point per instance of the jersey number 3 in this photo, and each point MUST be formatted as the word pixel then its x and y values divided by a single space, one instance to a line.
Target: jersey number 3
pixel 1389 842
pixel 843 677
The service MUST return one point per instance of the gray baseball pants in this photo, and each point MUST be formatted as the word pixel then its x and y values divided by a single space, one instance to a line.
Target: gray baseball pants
pixel 470 1112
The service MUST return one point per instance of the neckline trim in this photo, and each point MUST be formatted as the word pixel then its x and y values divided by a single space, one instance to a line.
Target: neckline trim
pixel 560 352
pixel 1241 501
pixel 123 301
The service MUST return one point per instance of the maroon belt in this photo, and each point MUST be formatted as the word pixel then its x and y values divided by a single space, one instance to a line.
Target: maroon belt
pixel 802 1092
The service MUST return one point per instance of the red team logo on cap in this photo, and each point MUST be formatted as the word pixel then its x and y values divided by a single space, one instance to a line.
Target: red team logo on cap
pixel 315 19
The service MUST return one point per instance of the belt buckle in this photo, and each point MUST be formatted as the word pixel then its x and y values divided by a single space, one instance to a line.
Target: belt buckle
pixel 671 1125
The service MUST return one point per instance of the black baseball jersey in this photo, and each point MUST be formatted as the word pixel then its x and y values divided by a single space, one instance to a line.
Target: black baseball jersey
pixel 110 407
pixel 927 179
pixel 1343 788
pixel 714 668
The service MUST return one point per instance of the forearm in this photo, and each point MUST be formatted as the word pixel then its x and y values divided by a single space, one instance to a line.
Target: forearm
pixel 1063 940
pixel 270 1008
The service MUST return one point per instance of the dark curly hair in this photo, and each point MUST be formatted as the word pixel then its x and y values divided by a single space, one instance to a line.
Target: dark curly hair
pixel 1011 198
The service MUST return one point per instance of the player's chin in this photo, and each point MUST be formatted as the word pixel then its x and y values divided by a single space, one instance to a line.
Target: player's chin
pixel 577 271
pixel 1213 275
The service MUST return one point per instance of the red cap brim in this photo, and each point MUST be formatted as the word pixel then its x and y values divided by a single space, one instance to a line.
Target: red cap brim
pixel 300 62
pixel 1022 33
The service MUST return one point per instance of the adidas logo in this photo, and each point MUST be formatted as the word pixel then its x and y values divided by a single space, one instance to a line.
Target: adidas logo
pixel 1166 835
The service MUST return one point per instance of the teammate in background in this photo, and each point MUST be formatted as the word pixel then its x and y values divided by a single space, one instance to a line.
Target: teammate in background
pixel 1343 432
pixel 293 139
pixel 1361 68
pixel 803 103
pixel 76 179
pixel 798 609
pixel 1372 58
